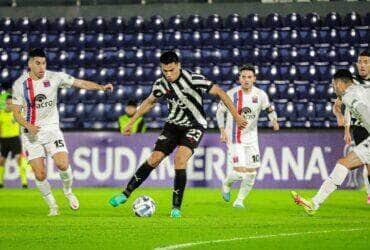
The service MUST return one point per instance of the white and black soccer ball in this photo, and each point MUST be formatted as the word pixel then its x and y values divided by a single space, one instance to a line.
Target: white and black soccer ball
pixel 144 206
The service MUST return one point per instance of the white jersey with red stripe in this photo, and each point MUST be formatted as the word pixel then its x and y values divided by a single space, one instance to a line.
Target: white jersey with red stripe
pixel 39 98
pixel 249 105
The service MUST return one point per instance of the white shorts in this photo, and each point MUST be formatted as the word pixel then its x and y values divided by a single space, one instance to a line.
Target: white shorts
pixel 362 150
pixel 46 142
pixel 244 156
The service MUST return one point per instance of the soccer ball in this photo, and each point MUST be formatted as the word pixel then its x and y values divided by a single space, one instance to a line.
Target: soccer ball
pixel 144 206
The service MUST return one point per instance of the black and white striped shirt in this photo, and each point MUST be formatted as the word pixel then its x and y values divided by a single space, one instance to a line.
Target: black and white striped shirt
pixel 359 80
pixel 184 98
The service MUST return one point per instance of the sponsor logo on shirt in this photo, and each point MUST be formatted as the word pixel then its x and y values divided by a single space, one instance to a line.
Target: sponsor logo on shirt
pixel 247 113
pixel 42 102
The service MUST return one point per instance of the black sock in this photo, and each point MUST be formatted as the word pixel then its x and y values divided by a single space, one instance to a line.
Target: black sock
pixel 368 177
pixel 178 187
pixel 139 177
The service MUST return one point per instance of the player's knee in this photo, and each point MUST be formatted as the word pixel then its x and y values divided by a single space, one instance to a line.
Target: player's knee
pixel 343 161
pixel 61 163
pixel 40 174
pixel 2 161
pixel 180 161
pixel 155 159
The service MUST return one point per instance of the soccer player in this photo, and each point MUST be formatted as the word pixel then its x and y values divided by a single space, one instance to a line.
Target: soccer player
pixel 243 148
pixel 356 98
pixel 36 92
pixel 349 121
pixel 10 143
pixel 130 110
pixel 184 128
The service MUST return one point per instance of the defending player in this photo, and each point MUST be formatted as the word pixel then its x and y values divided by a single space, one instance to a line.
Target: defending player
pixel 11 143
pixel 36 92
pixel 184 128
pixel 356 98
pixel 349 121
pixel 242 144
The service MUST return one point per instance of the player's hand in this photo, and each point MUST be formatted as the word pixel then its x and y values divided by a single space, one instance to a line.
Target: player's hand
pixel 33 130
pixel 241 122
pixel 128 129
pixel 224 137
pixel 107 87
pixel 347 138
pixel 275 126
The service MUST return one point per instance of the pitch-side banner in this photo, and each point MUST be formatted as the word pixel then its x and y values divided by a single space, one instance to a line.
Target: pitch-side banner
pixel 288 160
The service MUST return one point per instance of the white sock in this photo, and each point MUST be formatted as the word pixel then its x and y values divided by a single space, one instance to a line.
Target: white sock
pixel 232 177
pixel 67 180
pixel 366 180
pixel 46 193
pixel 335 179
pixel 246 186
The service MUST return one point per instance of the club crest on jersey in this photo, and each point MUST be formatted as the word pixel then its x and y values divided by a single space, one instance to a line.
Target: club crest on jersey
pixel 255 99
pixel 47 84
pixel 235 159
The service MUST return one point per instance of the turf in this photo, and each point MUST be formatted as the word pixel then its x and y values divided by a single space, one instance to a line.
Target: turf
pixel 270 220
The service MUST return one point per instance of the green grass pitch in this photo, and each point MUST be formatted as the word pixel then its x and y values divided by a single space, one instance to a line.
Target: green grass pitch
pixel 270 221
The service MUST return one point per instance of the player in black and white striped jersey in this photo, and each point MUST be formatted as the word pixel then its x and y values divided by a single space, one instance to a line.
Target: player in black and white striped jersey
pixel 351 124
pixel 184 126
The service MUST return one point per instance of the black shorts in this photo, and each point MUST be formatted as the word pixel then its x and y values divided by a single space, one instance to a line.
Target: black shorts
pixel 359 134
pixel 173 136
pixel 10 145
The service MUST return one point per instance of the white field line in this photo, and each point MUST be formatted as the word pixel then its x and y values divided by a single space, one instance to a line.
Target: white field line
pixel 197 243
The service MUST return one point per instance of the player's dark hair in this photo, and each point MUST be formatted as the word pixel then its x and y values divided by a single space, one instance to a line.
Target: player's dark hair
pixel 169 57
pixel 364 53
pixel 9 97
pixel 343 75
pixel 36 53
pixel 248 67
pixel 131 102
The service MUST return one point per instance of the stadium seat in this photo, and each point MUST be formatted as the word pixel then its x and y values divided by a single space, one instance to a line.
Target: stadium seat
pixel 195 22
pixel 352 19
pixel 136 24
pixel 7 24
pixel 253 21
pixel 214 22
pixel 312 20
pixel 175 23
pixel 273 21
pixel 78 24
pixel 234 22
pixel 333 20
pixel 24 24
pixel 293 20
pixel 117 25
pixel 155 24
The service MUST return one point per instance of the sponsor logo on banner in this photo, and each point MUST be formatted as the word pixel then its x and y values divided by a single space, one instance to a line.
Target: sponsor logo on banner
pixel 297 160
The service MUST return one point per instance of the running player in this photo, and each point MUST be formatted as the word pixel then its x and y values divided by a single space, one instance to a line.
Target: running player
pixel 243 148
pixel 356 98
pixel 36 91
pixel 11 143
pixel 184 128
pixel 349 121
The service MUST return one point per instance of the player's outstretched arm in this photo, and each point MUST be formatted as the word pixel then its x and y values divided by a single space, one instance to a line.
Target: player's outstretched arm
pixel 144 108
pixel 17 113
pixel 220 116
pixel 83 84
pixel 217 91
